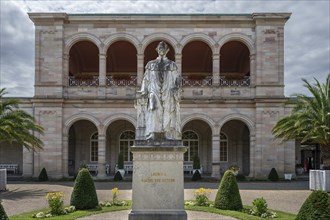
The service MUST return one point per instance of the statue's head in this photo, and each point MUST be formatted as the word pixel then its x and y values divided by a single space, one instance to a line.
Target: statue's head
pixel 162 48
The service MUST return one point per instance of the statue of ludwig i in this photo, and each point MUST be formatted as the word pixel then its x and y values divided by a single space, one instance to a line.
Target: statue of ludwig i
pixel 161 91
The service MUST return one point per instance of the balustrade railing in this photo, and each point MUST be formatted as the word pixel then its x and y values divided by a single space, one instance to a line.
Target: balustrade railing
pixel 131 81
pixel 207 81
pixel 235 82
pixel 77 81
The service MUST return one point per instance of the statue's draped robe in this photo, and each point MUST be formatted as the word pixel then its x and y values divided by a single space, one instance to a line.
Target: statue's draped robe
pixel 161 83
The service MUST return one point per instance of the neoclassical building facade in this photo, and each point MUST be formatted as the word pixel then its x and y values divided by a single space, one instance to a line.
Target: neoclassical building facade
pixel 88 68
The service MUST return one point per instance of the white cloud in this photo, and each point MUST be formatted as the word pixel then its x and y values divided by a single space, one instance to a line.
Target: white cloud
pixel 307 33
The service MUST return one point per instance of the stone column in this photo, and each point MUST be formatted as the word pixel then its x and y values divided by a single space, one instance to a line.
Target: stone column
pixel 216 70
pixel 102 69
pixel 101 156
pixel 66 75
pixel 65 155
pixel 140 68
pixel 252 155
pixel 27 163
pixel 178 61
pixel 216 156
pixel 252 70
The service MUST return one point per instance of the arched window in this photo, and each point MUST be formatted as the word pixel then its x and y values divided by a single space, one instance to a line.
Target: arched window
pixel 190 139
pixel 126 140
pixel 94 146
pixel 223 148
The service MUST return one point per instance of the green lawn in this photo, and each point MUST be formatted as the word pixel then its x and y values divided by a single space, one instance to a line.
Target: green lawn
pixel 83 213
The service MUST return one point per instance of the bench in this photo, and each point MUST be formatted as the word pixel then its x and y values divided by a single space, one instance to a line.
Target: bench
pixel 94 168
pixel 127 168
pixel 188 168
pixel 10 167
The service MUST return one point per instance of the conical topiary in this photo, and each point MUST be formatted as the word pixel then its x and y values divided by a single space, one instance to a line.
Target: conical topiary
pixel 84 194
pixel 117 177
pixel 43 175
pixel 196 162
pixel 3 215
pixel 196 176
pixel 273 176
pixel 228 197
pixel 316 206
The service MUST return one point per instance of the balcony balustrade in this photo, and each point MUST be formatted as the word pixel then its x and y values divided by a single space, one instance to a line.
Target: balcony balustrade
pixel 83 81
pixel 234 82
pixel 186 81
pixel 132 81
pixel 127 81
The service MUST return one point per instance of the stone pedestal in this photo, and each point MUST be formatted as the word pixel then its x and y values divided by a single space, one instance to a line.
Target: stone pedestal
pixel 158 190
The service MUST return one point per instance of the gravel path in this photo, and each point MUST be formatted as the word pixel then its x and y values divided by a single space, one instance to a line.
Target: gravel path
pixel 27 196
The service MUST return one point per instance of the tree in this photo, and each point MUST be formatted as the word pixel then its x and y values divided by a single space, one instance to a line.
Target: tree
pixel 309 119
pixel 17 125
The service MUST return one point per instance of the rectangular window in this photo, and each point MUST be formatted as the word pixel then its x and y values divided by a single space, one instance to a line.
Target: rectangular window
pixel 223 151
pixel 94 151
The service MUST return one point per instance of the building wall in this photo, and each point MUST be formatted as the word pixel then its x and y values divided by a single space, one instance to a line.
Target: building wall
pixel 58 106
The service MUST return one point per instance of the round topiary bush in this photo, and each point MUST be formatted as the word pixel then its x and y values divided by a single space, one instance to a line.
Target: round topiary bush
pixel 316 206
pixel 3 215
pixel 196 176
pixel 84 194
pixel 228 197
pixel 273 176
pixel 43 175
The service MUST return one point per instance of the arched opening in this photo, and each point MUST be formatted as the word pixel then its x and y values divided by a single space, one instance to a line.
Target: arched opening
pixel 84 64
pixel 197 64
pixel 234 64
pixel 83 147
pixel 150 52
pixel 121 64
pixel 120 136
pixel 11 158
pixel 235 146
pixel 197 135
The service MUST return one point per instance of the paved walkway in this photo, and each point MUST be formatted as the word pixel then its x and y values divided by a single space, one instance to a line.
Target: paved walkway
pixel 27 196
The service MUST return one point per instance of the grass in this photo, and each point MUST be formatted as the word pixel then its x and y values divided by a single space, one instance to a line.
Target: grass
pixel 239 215
pixel 83 213
pixel 74 215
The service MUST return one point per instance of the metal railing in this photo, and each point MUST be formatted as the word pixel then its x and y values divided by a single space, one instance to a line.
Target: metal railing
pixel 207 81
pixel 77 81
pixel 132 81
pixel 235 82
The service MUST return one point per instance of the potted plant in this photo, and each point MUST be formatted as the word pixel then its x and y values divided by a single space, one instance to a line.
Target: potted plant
pixel 120 165
pixel 299 169
pixel 196 164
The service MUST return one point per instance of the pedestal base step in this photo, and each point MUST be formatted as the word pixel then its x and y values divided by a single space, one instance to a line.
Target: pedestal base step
pixel 157 215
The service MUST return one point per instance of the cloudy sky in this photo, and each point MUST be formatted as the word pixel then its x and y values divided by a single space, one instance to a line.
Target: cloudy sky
pixel 307 33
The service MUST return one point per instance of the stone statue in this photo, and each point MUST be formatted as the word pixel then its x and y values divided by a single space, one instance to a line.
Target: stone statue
pixel 161 90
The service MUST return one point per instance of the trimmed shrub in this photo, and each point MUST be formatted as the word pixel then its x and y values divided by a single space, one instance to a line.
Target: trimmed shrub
pixel 196 162
pixel 84 193
pixel 43 175
pixel 228 197
pixel 120 161
pixel 117 177
pixel 273 176
pixel 3 215
pixel 83 165
pixel 316 206
pixel 196 176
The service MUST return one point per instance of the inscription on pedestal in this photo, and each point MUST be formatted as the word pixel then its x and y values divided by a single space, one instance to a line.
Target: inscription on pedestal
pixel 158 191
